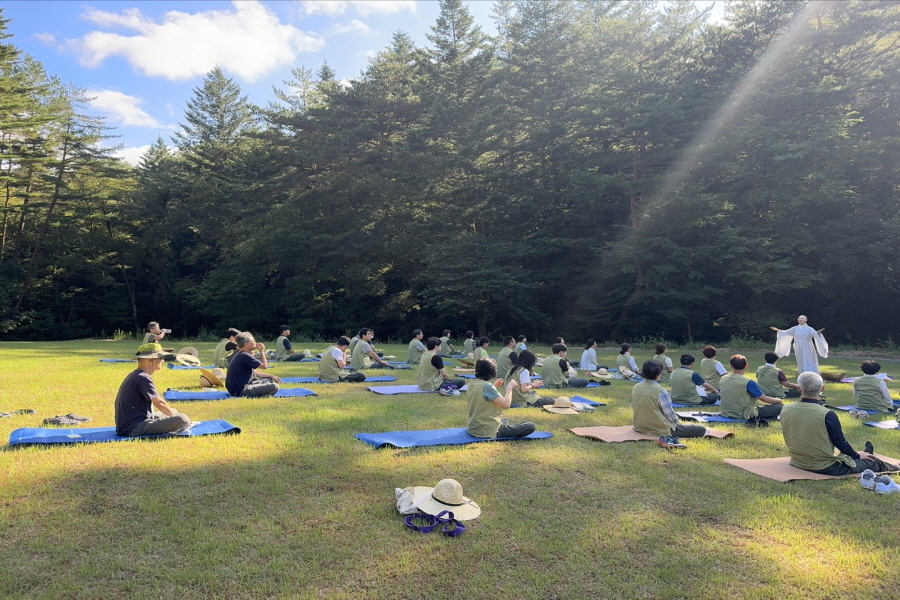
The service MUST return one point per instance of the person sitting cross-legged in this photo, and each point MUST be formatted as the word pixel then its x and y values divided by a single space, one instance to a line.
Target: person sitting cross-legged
pixel 772 380
pixel 625 359
pixel 469 343
pixel 871 392
pixel 507 356
pixel 652 410
pixel 486 405
pixel 685 382
pixel 333 362
pixel 446 344
pixel 525 393
pixel 812 432
pixel 557 372
pixel 363 355
pixel 739 395
pixel 432 374
pixel 242 378
pixel 138 396
pixel 225 349
pixel 589 356
pixel 416 348
pixel 665 361
pixel 284 352
pixel 711 370
pixel 481 347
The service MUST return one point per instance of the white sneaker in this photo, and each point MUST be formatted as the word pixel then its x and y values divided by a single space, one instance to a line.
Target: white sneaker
pixel 867 479
pixel 886 485
pixel 446 392
pixel 858 414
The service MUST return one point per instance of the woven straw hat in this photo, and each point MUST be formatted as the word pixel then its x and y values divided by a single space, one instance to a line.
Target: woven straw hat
pixel 189 350
pixel 188 360
pixel 602 373
pixel 212 378
pixel 448 495
pixel 562 406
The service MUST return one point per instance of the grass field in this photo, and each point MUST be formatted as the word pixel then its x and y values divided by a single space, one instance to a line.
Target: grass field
pixel 295 506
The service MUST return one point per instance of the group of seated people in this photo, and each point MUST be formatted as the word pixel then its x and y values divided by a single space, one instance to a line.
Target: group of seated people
pixel 811 431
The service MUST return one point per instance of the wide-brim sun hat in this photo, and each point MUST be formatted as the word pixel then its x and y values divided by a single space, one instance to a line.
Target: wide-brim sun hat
pixel 189 350
pixel 212 378
pixel 152 351
pixel 448 495
pixel 602 374
pixel 561 406
pixel 188 360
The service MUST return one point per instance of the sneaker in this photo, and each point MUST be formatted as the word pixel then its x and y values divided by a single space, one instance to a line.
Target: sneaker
pixel 858 414
pixel 867 479
pixel 869 448
pixel 670 441
pixel 57 420
pixel 448 392
pixel 886 485
pixel 75 417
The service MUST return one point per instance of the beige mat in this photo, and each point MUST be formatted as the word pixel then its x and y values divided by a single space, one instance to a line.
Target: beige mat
pixel 626 433
pixel 463 370
pixel 779 468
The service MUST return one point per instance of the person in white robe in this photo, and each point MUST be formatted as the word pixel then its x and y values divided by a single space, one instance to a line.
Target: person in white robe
pixel 807 343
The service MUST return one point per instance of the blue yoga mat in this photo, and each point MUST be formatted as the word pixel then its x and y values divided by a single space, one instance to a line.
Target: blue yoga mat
pixel 317 380
pixel 117 360
pixel 390 390
pixel 584 400
pixel 677 405
pixel 186 367
pixel 310 359
pixel 884 424
pixel 470 376
pixel 217 395
pixel 37 435
pixel 707 417
pixel 434 437
pixel 874 412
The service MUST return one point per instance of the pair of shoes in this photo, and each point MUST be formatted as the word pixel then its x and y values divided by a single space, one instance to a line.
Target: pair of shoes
pixel 670 441
pixel 755 422
pixel 858 414
pixel 78 418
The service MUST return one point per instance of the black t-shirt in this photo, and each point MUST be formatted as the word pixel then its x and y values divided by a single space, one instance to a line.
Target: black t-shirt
pixel 437 362
pixel 240 372
pixel 133 404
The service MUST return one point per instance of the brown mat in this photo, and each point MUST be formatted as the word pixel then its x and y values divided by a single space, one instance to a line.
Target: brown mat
pixel 463 370
pixel 626 433
pixel 779 468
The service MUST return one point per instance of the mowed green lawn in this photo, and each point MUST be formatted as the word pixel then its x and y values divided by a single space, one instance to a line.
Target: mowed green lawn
pixel 295 506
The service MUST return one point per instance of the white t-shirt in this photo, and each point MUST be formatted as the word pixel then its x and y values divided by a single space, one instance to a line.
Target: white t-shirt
pixel 668 363
pixel 720 369
pixel 524 377
pixel 337 354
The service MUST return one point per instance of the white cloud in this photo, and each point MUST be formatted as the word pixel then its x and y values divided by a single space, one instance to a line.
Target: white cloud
pixel 132 155
pixel 45 38
pixel 121 108
pixel 354 26
pixel 247 41
pixel 363 7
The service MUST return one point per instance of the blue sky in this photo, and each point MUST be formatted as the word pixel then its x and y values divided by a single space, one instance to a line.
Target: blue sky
pixel 140 61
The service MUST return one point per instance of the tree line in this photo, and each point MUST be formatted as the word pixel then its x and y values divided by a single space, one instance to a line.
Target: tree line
pixel 597 169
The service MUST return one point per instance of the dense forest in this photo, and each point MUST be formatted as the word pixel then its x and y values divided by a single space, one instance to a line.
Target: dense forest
pixel 598 169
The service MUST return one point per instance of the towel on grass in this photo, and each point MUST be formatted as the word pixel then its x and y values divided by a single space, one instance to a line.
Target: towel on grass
pixel 892 424
pixel 434 437
pixel 390 390
pixel 317 380
pixel 705 417
pixel 626 433
pixel 219 395
pixel 879 376
pixel 779 469
pixel 37 435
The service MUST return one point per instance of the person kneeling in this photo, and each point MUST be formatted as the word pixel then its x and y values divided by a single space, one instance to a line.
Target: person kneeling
pixel 557 372
pixel 812 432
pixel 137 397
pixel 486 404
pixel 331 367
pixel 242 378
pixel 653 413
